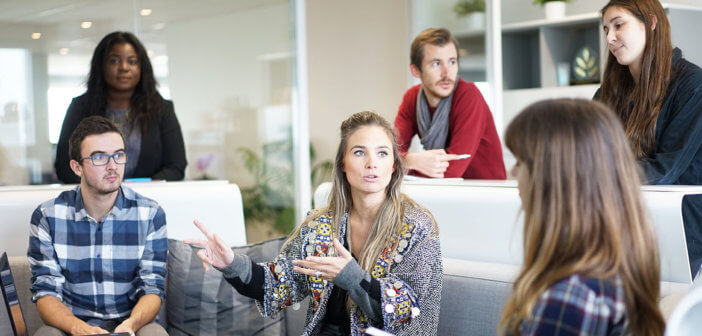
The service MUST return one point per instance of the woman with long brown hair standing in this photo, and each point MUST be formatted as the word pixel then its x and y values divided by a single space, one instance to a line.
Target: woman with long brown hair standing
pixel 590 257
pixel 658 96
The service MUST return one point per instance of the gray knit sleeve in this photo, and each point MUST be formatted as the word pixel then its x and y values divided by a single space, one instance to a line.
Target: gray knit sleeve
pixel 240 267
pixel 351 278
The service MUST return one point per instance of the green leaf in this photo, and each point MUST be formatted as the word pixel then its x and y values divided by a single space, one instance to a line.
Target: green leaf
pixel 580 62
pixel 580 72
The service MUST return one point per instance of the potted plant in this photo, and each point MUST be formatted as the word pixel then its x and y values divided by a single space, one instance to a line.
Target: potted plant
pixel 473 10
pixel 554 8
pixel 271 198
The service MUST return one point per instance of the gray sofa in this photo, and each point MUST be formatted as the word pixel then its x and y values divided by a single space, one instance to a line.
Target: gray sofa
pixel 471 303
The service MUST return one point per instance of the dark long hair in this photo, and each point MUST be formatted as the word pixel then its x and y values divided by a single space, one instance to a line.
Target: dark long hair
pixel 145 101
pixel 638 106
pixel 583 209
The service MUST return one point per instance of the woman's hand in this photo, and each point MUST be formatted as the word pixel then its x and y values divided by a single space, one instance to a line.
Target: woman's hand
pixel 214 251
pixel 326 268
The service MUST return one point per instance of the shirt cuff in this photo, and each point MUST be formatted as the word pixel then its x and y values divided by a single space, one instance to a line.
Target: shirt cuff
pixel 240 267
pixel 42 294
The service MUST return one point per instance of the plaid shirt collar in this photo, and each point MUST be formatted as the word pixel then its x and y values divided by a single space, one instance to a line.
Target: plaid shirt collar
pixel 82 213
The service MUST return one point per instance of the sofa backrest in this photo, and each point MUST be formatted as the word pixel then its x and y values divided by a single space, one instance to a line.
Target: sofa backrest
pixel 473 296
pixel 479 220
pixel 217 204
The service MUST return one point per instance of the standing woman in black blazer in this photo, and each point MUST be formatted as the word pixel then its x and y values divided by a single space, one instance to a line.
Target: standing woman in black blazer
pixel 122 87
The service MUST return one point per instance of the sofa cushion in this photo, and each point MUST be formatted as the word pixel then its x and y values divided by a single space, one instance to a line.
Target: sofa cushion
pixel 203 303
pixel 473 296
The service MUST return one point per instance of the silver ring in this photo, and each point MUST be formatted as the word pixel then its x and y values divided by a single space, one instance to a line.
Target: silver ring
pixel 206 254
pixel 317 274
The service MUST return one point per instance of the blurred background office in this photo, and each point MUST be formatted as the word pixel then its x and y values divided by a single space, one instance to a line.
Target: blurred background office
pixel 260 86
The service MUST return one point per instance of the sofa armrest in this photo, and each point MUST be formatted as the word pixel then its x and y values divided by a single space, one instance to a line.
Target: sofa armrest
pixel 23 282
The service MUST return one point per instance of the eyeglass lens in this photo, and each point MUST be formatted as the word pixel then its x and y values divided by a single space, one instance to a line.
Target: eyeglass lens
pixel 103 159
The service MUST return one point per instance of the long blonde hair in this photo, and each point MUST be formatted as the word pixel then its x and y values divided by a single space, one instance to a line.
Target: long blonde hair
pixel 583 209
pixel 389 219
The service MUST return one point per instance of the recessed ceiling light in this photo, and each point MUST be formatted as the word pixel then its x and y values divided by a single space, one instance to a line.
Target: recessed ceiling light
pixel 36 36
pixel 86 24
pixel 63 51
pixel 145 12
pixel 150 53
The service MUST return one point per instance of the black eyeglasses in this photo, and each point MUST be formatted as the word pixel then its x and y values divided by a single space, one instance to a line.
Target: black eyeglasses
pixel 102 159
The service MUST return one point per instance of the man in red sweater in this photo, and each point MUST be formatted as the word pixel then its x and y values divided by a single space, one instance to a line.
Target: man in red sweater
pixel 450 116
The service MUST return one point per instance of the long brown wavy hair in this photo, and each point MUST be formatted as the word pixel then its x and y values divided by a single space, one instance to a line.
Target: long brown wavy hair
pixel 389 219
pixel 638 105
pixel 583 212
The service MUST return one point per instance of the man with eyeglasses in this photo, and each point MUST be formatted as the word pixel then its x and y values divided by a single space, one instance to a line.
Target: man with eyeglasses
pixel 98 252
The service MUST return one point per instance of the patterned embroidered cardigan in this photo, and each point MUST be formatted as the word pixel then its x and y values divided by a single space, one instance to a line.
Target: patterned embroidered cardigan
pixel 409 271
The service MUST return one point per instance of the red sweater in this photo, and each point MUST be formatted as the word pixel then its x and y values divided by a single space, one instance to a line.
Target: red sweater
pixel 471 131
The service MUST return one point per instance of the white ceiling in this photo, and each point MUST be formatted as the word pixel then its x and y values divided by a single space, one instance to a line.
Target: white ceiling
pixel 59 20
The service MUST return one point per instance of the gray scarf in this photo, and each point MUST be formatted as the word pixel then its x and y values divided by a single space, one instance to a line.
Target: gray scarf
pixel 434 129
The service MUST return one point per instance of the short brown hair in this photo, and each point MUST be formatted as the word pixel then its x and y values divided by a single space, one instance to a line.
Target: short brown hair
pixel 89 126
pixel 434 36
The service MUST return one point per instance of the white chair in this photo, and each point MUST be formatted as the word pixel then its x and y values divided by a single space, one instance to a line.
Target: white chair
pixel 687 315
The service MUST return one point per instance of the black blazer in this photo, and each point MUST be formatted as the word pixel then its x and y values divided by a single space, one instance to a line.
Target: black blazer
pixel 162 155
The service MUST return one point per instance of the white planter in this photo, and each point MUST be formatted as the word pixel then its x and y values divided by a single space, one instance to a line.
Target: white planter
pixel 475 21
pixel 555 9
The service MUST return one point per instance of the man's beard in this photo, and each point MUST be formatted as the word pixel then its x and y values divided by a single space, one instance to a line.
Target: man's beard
pixel 108 189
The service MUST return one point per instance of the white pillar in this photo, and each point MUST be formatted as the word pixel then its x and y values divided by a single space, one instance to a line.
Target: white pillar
pixel 300 117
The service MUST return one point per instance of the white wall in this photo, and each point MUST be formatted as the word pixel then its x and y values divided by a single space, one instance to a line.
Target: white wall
pixel 358 59
pixel 220 81
pixel 525 10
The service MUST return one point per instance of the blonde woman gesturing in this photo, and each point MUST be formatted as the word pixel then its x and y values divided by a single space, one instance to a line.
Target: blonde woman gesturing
pixel 369 258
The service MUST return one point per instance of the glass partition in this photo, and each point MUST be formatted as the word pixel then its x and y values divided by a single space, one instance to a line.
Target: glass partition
pixel 228 66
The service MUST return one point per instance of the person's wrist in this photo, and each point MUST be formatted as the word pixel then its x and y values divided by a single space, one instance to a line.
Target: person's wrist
pixel 127 325
pixel 239 267
pixel 79 326
pixel 349 276
pixel 409 161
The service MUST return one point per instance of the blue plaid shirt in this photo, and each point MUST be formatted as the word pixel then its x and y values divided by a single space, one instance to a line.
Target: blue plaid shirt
pixel 98 269
pixel 578 305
